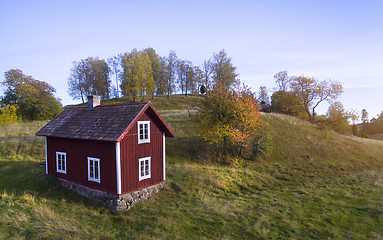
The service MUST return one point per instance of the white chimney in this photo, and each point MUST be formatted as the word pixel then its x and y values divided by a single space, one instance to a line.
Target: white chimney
pixel 93 101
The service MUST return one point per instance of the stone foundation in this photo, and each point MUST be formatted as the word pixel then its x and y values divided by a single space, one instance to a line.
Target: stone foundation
pixel 112 201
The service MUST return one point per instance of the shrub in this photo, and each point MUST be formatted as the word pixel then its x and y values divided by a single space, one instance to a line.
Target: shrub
pixel 262 142
pixel 355 130
pixel 226 118
pixel 8 114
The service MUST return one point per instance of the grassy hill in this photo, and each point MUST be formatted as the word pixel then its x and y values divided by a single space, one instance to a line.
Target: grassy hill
pixel 316 184
pixel 175 102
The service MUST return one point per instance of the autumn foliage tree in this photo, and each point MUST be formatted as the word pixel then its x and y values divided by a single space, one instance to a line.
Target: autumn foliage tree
pixel 227 118
pixel 137 75
pixel 31 98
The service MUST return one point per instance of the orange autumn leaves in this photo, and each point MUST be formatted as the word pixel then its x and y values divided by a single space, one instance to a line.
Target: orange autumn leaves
pixel 228 117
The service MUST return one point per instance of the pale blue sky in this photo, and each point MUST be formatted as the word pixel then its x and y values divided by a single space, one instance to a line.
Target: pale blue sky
pixel 339 40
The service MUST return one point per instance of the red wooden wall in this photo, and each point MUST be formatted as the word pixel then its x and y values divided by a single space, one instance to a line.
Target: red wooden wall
pixel 77 153
pixel 131 151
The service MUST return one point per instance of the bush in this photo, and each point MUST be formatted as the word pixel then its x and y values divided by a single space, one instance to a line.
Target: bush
pixel 365 135
pixel 227 118
pixel 287 103
pixel 8 114
pixel 355 130
pixel 262 142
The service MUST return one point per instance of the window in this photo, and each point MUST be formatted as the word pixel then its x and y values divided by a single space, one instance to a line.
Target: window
pixel 143 132
pixel 144 168
pixel 61 162
pixel 94 169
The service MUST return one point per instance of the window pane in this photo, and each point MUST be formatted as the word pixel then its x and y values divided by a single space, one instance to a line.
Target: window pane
pixel 146 132
pixel 96 168
pixel 91 168
pixel 63 164
pixel 95 173
pixel 141 131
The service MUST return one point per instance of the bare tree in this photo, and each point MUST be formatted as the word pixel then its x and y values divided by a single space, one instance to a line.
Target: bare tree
pixel 207 70
pixel 282 79
pixel 171 68
pixel 89 76
pixel 115 66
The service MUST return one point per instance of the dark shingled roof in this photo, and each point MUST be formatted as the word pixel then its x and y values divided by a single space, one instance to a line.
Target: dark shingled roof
pixel 105 123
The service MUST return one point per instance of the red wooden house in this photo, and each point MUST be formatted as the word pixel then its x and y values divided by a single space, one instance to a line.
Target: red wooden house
pixel 107 152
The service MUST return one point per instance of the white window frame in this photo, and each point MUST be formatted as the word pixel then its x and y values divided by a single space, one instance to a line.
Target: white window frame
pixel 141 161
pixel 139 124
pixel 94 178
pixel 59 165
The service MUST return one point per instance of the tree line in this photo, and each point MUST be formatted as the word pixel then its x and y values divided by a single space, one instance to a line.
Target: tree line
pixel 371 126
pixel 142 73
pixel 301 95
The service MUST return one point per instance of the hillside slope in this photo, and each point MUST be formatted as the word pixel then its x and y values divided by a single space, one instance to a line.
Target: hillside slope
pixel 316 184
pixel 296 141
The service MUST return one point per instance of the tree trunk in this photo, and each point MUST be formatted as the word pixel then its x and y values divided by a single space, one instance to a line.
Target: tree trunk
pixel 313 116
pixel 117 94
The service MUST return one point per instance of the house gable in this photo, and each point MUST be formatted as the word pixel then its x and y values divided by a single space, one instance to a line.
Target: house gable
pixel 132 151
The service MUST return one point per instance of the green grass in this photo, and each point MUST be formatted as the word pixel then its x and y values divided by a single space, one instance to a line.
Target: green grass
pixel 377 136
pixel 316 184
pixel 20 129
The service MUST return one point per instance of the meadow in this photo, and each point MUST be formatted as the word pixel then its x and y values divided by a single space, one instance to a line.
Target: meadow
pixel 316 184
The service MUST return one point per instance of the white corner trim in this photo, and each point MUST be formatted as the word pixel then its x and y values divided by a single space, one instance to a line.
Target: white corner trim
pixel 46 155
pixel 118 167
pixel 163 155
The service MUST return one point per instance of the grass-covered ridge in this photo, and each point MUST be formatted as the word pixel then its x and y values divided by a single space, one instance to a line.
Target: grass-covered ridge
pixel 161 102
pixel 316 184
